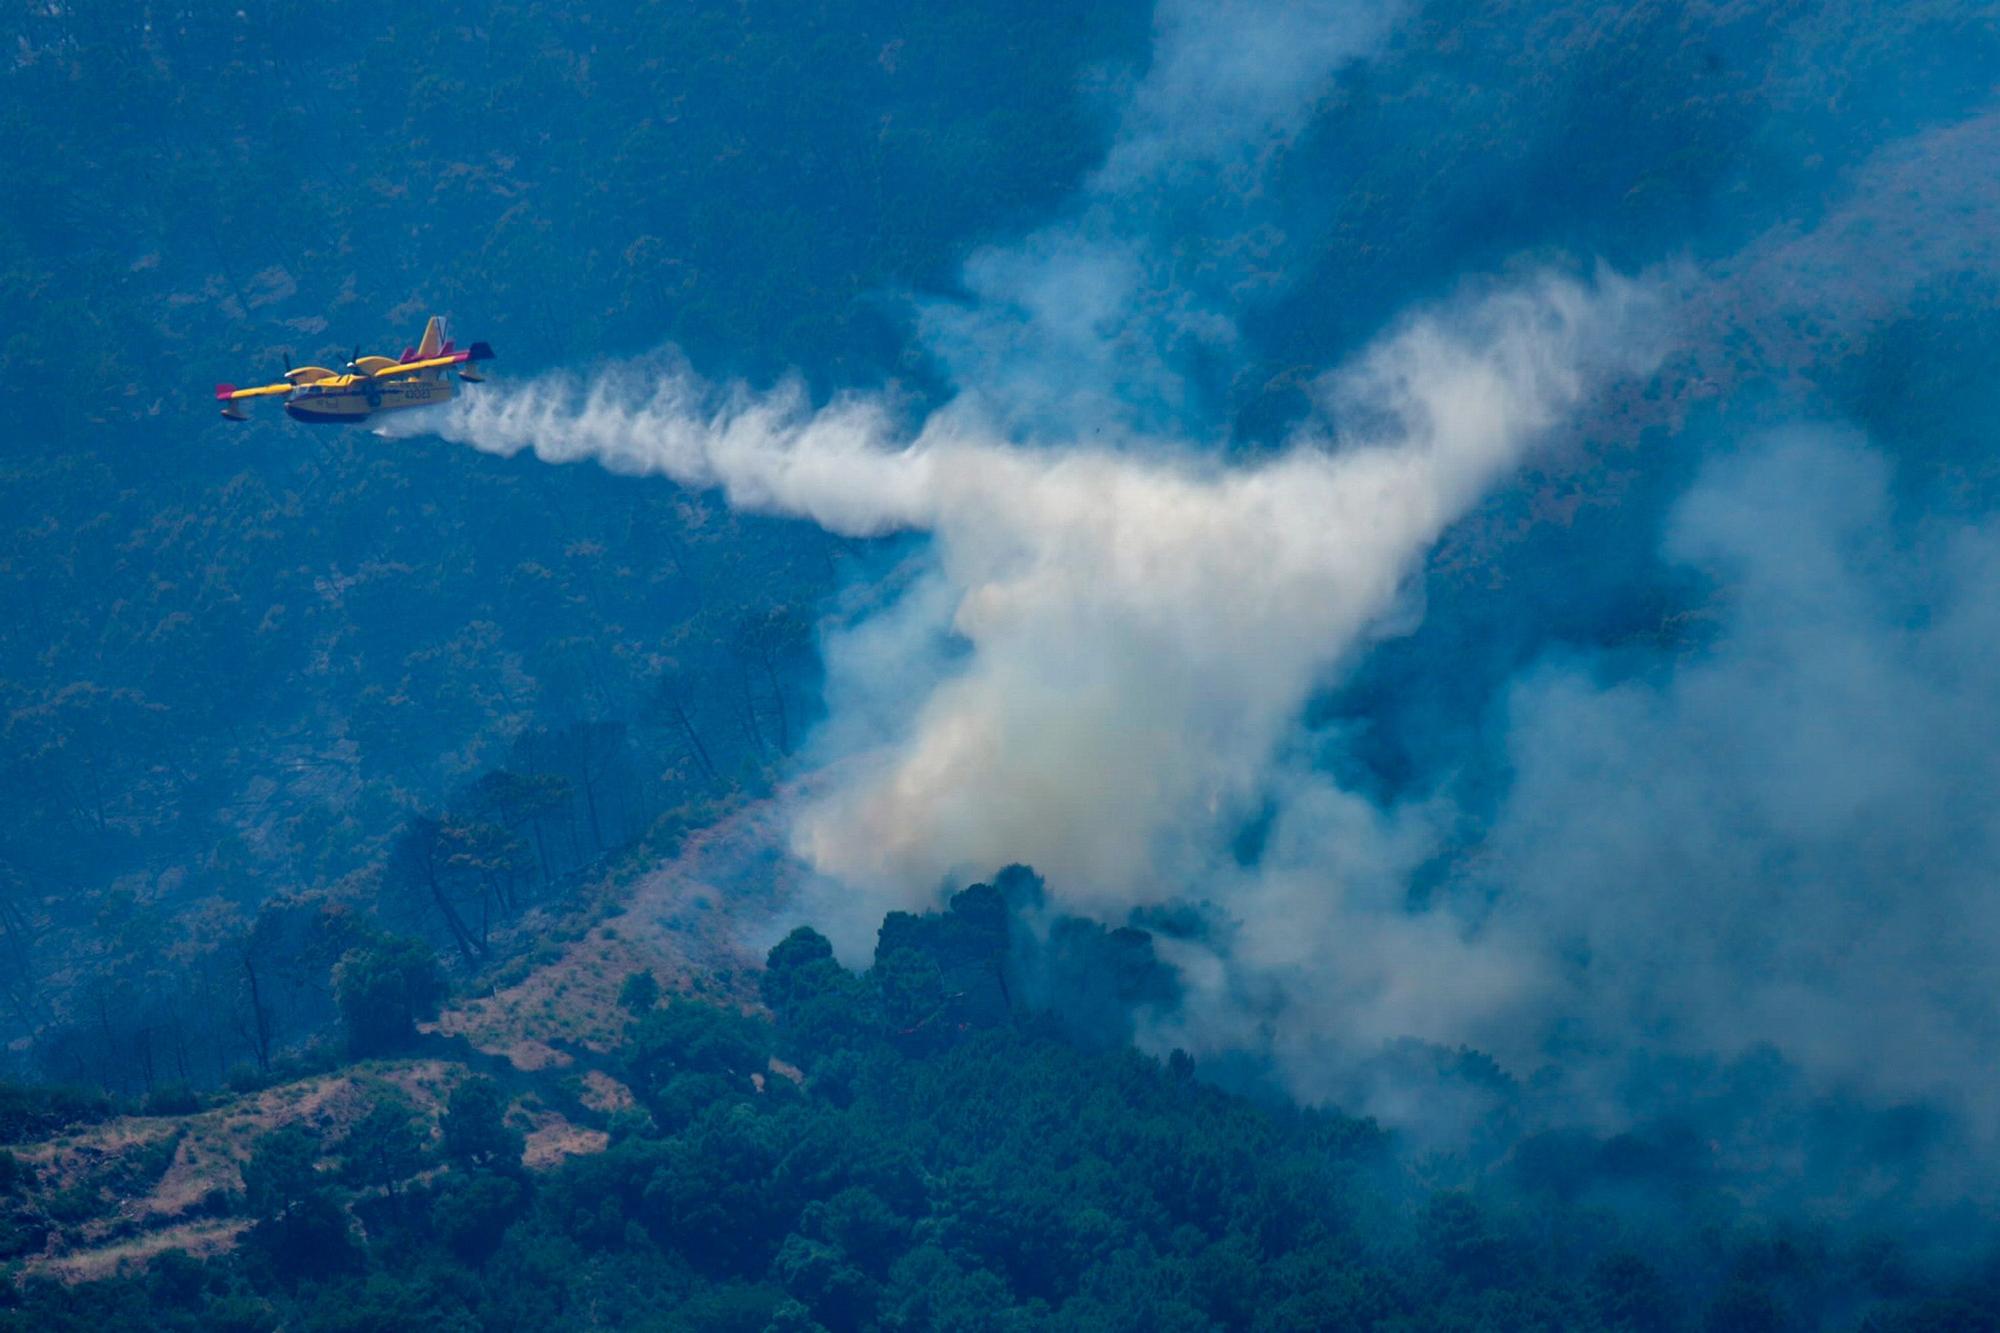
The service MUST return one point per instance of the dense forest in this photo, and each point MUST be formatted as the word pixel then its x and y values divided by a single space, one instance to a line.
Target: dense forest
pixel 921 1147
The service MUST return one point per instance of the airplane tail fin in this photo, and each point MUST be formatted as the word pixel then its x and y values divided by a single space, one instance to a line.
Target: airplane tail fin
pixel 433 339
pixel 477 352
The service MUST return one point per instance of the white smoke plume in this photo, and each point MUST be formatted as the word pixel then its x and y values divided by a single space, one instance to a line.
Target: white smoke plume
pixel 1138 627
pixel 1789 839
pixel 1091 319
pixel 1784 838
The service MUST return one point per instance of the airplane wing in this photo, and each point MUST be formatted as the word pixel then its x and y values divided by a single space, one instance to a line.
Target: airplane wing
pixel 412 367
pixel 477 352
pixel 228 392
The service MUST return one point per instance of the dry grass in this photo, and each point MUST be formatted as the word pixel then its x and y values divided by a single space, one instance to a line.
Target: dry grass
pixel 201 1239
pixel 207 1161
pixel 553 1138
pixel 605 1094
pixel 680 919
pixel 675 919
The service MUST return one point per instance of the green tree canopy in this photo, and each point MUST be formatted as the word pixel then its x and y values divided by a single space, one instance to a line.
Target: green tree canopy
pixel 385 988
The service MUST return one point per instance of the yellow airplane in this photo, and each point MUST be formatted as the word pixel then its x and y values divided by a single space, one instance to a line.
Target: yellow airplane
pixel 372 383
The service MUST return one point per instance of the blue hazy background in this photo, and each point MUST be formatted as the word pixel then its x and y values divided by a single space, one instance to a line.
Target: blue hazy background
pixel 1718 670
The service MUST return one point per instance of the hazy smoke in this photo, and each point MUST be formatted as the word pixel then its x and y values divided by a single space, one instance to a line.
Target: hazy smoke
pixel 1094 319
pixel 1772 825
pixel 1789 837
pixel 1780 835
pixel 1137 630
pixel 1143 628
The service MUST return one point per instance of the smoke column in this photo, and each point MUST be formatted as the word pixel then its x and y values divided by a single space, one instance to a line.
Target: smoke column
pixel 1140 626
pixel 1756 853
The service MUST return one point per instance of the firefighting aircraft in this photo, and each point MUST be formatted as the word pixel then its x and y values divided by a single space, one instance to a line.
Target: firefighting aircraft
pixel 372 383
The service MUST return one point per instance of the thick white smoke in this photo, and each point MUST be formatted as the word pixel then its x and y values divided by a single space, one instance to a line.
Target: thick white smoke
pixel 1102 669
pixel 1144 627
pixel 1139 627
pixel 1790 838
pixel 1783 839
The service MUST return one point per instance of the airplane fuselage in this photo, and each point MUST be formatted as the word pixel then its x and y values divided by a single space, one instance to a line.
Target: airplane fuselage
pixel 346 400
pixel 372 384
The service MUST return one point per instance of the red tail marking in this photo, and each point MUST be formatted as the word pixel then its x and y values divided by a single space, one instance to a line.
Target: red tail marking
pixel 223 391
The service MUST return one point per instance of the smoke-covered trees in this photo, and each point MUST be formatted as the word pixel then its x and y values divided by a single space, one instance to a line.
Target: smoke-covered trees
pixel 427 863
pixel 517 802
pixel 17 938
pixel 592 760
pixel 769 645
pixel 639 992
pixel 385 987
pixel 475 1129
pixel 824 1008
pixel 384 1148
pixel 687 1055
pixel 674 712
pixel 301 1228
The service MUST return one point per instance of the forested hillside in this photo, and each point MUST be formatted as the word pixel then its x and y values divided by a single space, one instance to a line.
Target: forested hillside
pixel 1467 528
pixel 918 1147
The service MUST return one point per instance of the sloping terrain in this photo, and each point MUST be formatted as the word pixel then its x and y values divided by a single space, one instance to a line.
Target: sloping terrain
pixel 683 920
pixel 134 1186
